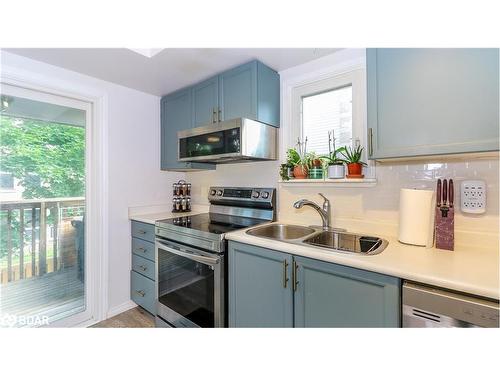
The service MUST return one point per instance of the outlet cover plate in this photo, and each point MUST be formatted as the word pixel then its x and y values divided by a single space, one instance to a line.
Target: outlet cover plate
pixel 473 196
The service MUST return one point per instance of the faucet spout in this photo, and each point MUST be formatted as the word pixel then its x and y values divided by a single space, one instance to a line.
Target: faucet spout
pixel 324 211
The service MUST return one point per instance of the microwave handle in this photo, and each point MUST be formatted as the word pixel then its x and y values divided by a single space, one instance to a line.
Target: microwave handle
pixel 189 255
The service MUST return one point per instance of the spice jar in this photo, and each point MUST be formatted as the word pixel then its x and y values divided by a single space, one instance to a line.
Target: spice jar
pixel 177 204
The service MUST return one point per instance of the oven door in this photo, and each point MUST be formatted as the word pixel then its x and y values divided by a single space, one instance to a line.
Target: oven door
pixel 190 285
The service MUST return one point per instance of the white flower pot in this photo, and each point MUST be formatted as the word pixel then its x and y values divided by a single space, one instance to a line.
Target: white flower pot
pixel 336 171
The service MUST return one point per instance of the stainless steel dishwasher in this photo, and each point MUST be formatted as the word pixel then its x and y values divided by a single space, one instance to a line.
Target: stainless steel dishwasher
pixel 429 307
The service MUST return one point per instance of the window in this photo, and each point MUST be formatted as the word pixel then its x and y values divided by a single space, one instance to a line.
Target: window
pixel 329 111
pixel 320 104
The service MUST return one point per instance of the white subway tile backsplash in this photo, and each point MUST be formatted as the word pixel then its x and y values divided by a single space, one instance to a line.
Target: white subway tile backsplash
pixel 377 207
pixel 372 209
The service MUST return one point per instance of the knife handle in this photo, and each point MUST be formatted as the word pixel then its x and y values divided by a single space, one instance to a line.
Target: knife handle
pixel 445 192
pixel 451 193
pixel 438 193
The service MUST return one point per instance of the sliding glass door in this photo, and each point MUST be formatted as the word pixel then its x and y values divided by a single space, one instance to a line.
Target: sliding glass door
pixel 43 174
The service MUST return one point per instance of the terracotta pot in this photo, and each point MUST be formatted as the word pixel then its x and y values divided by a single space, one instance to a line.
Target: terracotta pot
pixel 316 163
pixel 300 171
pixel 354 169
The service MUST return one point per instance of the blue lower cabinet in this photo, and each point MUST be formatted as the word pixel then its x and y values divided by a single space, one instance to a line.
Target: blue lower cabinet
pixel 142 291
pixel 142 275
pixel 143 231
pixel 260 290
pixel 331 295
pixel 268 288
pixel 143 248
pixel 143 266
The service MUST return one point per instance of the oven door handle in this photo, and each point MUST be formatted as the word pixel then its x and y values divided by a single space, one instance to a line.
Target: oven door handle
pixel 186 254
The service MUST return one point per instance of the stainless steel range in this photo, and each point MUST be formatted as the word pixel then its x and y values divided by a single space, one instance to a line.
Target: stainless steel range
pixel 191 266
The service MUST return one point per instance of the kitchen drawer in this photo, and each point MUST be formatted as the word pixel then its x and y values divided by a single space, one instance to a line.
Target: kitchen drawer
pixel 142 291
pixel 143 266
pixel 143 248
pixel 143 231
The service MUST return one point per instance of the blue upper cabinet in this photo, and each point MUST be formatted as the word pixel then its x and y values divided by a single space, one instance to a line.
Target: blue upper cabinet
pixel 176 114
pixel 251 90
pixel 238 92
pixel 432 101
pixel 205 102
pixel 332 295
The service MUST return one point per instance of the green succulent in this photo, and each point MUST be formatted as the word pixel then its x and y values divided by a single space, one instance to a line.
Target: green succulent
pixel 353 155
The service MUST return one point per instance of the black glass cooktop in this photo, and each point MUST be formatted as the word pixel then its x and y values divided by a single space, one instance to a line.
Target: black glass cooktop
pixel 212 223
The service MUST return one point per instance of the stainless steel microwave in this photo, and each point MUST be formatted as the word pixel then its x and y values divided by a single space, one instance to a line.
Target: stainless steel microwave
pixel 231 141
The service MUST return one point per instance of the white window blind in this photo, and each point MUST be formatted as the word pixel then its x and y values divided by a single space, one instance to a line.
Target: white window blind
pixel 324 112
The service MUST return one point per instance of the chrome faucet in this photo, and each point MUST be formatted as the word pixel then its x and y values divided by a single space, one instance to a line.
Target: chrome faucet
pixel 323 212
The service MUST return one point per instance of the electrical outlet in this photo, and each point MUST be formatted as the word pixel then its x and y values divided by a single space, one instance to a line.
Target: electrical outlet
pixel 473 196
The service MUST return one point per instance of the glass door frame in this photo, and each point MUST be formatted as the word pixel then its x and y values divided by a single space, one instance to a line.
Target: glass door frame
pixel 93 302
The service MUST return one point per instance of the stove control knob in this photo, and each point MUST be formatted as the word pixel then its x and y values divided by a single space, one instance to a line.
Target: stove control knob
pixel 219 193
pixel 255 194
pixel 265 195
pixel 212 192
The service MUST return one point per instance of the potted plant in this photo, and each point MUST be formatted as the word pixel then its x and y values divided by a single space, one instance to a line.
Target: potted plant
pixel 315 166
pixel 292 159
pixel 352 158
pixel 336 167
pixel 299 159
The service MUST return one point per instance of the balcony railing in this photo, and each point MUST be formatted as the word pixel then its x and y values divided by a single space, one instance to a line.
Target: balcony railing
pixel 40 236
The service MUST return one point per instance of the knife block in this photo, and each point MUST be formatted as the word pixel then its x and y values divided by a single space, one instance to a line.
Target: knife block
pixel 445 229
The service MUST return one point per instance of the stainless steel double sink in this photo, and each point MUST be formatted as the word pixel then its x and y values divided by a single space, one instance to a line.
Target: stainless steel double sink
pixel 331 239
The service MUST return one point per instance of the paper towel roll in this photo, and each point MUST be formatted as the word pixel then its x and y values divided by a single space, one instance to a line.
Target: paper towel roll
pixel 416 217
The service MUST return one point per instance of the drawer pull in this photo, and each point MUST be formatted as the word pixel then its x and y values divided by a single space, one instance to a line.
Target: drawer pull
pixel 144 268
pixel 141 293
pixel 142 249
pixel 142 231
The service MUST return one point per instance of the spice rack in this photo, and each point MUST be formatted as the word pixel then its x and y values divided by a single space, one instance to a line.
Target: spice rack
pixel 181 200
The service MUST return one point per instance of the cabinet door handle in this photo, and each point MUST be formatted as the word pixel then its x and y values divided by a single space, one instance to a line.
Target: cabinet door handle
pixel 140 292
pixel 285 273
pixel 295 280
pixel 214 115
pixel 144 268
pixel 370 141
pixel 219 117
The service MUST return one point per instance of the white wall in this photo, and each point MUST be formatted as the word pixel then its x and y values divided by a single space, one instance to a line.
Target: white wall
pixel 133 153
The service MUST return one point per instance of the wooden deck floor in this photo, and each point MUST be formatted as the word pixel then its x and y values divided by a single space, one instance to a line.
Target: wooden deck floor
pixel 54 295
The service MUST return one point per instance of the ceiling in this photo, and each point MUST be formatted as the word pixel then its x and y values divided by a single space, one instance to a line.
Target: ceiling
pixel 169 69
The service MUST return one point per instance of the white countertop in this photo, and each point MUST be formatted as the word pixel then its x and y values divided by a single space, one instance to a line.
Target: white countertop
pixel 146 216
pixel 470 270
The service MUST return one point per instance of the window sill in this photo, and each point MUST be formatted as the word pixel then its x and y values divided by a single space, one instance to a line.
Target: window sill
pixel 340 182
